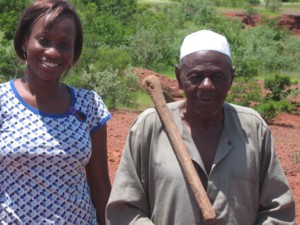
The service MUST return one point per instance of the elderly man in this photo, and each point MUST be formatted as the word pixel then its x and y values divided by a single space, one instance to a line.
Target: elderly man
pixel 231 148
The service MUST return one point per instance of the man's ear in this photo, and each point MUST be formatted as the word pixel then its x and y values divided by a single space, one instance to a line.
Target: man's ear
pixel 178 76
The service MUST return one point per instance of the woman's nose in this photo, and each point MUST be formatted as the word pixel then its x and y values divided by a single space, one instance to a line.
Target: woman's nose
pixel 52 52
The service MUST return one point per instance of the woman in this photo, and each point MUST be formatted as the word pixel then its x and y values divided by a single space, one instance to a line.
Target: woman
pixel 53 162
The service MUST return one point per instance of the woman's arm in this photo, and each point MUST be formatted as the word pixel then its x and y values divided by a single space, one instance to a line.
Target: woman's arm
pixel 97 173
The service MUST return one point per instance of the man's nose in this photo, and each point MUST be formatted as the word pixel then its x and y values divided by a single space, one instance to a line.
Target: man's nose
pixel 207 83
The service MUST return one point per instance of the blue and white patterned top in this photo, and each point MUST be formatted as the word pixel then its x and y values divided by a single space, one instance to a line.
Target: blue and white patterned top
pixel 43 158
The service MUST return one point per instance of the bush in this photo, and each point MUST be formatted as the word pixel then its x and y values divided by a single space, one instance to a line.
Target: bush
pixel 270 109
pixel 112 59
pixel 10 66
pixel 113 87
pixel 273 5
pixel 278 86
pixel 245 92
pixel 157 36
pixel 199 11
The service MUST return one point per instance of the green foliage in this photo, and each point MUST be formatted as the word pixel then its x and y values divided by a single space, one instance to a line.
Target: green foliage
pixel 146 53
pixel 267 111
pixel 270 109
pixel 106 58
pixel 10 12
pixel 111 59
pixel 279 87
pixel 102 28
pixel 229 3
pixel 275 102
pixel 262 49
pixel 9 64
pixel 245 92
pixel 254 1
pixel 113 87
pixel 122 10
pixel 199 10
pixel 273 5
pixel 122 33
pixel 154 44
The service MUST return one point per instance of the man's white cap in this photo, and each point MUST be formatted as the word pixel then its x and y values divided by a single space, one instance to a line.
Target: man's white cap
pixel 204 40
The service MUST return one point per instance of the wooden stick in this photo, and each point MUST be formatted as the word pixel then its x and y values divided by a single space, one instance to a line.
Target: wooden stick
pixel 153 87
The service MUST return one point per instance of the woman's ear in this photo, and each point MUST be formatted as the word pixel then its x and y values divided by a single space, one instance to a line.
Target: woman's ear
pixel 178 76
pixel 24 44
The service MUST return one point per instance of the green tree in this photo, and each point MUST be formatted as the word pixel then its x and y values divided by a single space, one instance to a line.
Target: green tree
pixel 10 66
pixel 10 12
pixel 123 10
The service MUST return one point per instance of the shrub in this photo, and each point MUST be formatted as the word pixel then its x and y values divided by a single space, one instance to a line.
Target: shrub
pixel 199 11
pixel 273 5
pixel 278 87
pixel 270 109
pixel 112 59
pixel 245 92
pixel 10 66
pixel 267 111
pixel 9 15
pixel 113 87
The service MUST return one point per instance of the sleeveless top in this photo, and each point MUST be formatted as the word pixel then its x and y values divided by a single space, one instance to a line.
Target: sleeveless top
pixel 43 158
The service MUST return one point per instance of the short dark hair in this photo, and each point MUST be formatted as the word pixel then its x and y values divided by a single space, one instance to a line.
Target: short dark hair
pixel 53 8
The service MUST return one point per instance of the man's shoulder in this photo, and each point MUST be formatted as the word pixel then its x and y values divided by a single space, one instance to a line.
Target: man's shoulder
pixel 243 113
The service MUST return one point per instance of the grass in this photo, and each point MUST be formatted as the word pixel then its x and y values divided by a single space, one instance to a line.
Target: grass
pixel 290 8
pixel 154 2
pixel 170 73
pixel 296 156
pixel 285 8
pixel 295 76
pixel 142 101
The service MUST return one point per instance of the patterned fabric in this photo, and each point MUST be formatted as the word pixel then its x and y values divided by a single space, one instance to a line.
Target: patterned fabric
pixel 43 158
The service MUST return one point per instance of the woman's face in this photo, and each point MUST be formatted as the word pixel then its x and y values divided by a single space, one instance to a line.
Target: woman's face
pixel 50 52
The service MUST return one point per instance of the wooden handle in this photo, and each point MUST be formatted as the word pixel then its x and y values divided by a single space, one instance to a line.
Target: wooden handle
pixel 153 87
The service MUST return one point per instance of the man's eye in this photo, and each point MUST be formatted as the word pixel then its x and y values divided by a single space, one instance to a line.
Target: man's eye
pixel 219 77
pixel 195 79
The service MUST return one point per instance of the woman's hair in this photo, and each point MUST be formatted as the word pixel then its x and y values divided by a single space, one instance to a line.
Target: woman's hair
pixel 53 9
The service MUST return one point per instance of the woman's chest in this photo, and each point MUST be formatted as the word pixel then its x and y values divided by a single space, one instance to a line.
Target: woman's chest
pixel 27 138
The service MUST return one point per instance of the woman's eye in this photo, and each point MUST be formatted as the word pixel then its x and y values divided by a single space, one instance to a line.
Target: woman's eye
pixel 43 41
pixel 65 45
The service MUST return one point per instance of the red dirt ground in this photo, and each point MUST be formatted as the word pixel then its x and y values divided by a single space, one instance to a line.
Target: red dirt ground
pixel 286 130
pixel 291 22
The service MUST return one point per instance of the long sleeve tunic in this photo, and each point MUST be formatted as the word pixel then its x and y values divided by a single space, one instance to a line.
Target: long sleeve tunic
pixel 246 184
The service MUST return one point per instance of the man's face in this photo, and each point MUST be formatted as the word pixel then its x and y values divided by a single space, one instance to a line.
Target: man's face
pixel 205 77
